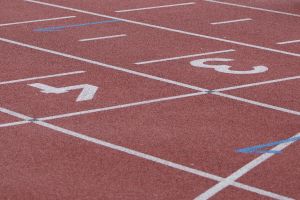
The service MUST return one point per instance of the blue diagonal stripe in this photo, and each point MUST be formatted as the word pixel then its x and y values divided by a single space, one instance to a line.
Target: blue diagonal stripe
pixel 257 149
pixel 57 28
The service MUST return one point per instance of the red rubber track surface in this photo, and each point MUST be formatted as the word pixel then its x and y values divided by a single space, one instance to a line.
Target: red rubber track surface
pixel 157 127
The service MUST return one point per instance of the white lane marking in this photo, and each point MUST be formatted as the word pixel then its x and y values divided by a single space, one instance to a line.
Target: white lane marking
pixel 145 156
pixel 258 103
pixel 41 77
pixel 102 38
pixel 257 83
pixel 105 65
pixel 155 7
pixel 161 99
pixel 254 8
pixel 289 42
pixel 87 91
pixel 231 21
pixel 242 171
pixel 186 56
pixel 14 123
pixel 148 76
pixel 38 20
pixel 15 114
pixel 169 29
pixel 121 106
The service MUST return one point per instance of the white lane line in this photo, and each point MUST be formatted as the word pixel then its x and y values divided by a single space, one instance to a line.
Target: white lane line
pixel 186 56
pixel 155 7
pixel 38 20
pixel 145 156
pixel 102 38
pixel 66 115
pixel 41 77
pixel 169 29
pixel 254 8
pixel 121 106
pixel 104 65
pixel 258 103
pixel 14 124
pixel 161 99
pixel 257 83
pixel 15 114
pixel 150 76
pixel 289 42
pixel 231 21
pixel 242 171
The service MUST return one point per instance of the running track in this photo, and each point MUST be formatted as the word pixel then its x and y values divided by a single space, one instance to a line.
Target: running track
pixel 149 99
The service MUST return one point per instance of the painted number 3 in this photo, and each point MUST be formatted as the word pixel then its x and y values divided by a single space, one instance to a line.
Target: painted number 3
pixel 226 68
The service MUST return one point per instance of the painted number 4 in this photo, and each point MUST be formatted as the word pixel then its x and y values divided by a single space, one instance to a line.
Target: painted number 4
pixel 88 91
pixel 226 68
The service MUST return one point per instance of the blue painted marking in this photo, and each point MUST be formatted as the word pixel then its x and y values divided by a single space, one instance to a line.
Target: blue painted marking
pixel 58 28
pixel 255 149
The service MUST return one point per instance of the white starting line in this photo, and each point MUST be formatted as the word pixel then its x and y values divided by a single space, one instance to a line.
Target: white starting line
pixel 156 7
pixel 41 77
pixel 145 156
pixel 289 42
pixel 231 21
pixel 242 171
pixel 37 20
pixel 253 8
pixel 102 38
pixel 186 56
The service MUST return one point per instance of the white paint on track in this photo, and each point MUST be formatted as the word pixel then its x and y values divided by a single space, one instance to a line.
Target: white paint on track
pixel 151 77
pixel 254 8
pixel 14 123
pixel 231 21
pixel 169 29
pixel 38 20
pixel 102 38
pixel 258 83
pixel 156 7
pixel 181 57
pixel 289 42
pixel 41 77
pixel 144 156
pixel 104 65
pixel 264 105
pixel 122 106
pixel 242 171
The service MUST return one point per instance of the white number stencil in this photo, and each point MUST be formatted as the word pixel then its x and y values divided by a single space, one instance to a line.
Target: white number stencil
pixel 87 93
pixel 226 68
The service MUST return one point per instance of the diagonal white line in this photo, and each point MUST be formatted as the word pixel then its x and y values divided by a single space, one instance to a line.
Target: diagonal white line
pixel 104 65
pixel 169 29
pixel 289 42
pixel 15 114
pixel 144 156
pixel 102 38
pixel 41 77
pixel 121 106
pixel 254 8
pixel 186 56
pixel 258 103
pixel 231 21
pixel 155 7
pixel 14 123
pixel 258 83
pixel 38 20
pixel 151 77
pixel 242 171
